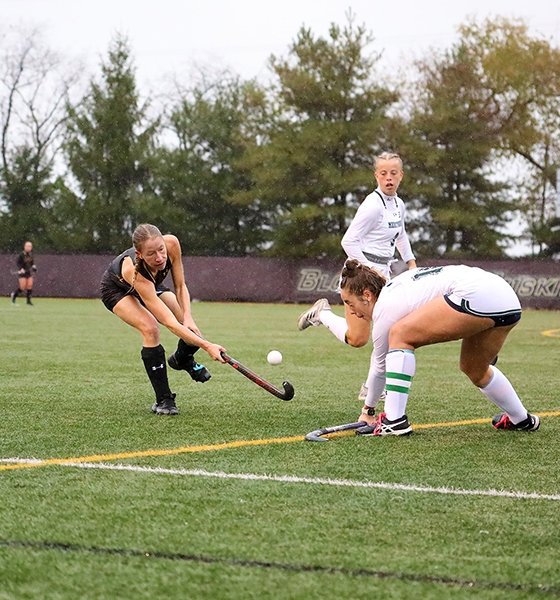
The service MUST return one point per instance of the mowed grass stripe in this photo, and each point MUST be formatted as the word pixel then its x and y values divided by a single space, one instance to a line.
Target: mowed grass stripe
pixel 94 458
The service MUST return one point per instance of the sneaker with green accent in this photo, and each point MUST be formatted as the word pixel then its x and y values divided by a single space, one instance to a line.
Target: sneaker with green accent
pixel 197 371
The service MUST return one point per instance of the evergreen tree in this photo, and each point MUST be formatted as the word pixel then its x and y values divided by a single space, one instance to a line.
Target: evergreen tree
pixel 316 160
pixel 201 178
pixel 110 154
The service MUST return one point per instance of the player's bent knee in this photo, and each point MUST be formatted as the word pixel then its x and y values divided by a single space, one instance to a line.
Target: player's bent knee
pixel 398 337
pixel 356 340
pixel 150 332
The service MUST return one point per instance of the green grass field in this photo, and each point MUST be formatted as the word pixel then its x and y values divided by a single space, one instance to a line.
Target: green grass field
pixel 200 505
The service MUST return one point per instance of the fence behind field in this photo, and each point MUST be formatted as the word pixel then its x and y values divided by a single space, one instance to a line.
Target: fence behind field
pixel 537 283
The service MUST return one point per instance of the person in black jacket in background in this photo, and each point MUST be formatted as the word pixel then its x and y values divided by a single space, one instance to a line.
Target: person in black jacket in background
pixel 26 269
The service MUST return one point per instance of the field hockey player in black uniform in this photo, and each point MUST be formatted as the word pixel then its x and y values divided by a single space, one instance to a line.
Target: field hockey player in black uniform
pixel 132 288
pixel 26 270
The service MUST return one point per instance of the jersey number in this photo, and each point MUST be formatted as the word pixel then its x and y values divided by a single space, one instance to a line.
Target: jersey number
pixel 423 271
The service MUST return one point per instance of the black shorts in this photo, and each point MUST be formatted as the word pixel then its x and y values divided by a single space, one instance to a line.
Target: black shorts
pixel 25 275
pixel 112 293
pixel 501 319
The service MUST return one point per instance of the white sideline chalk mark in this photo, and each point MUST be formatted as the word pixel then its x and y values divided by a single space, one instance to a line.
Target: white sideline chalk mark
pixel 351 483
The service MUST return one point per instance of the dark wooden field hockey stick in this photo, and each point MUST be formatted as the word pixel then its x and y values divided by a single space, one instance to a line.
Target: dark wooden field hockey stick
pixel 317 434
pixel 286 394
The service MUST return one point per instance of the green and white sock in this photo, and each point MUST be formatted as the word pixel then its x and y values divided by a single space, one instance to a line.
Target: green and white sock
pixel 400 368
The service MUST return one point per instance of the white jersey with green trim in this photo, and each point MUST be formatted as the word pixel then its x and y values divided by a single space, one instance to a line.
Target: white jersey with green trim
pixel 486 292
pixel 376 229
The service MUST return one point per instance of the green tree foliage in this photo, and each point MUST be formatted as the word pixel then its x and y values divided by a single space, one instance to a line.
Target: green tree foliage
pixel 521 76
pixel 453 132
pixel 200 177
pixel 109 150
pixel 246 169
pixel 317 157
pixel 25 189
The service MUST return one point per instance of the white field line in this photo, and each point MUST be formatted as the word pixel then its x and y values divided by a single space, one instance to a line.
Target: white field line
pixel 302 480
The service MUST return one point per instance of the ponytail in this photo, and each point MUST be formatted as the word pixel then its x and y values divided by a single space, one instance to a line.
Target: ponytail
pixel 356 278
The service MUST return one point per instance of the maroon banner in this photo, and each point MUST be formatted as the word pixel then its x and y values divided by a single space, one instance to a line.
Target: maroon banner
pixel 537 283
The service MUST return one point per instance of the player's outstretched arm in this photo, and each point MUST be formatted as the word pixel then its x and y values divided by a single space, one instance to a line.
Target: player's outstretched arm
pixel 164 316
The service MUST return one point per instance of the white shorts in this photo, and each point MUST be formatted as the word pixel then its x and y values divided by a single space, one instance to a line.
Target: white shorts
pixel 486 295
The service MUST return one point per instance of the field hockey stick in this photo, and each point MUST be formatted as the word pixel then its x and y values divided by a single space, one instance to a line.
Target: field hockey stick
pixel 317 434
pixel 286 394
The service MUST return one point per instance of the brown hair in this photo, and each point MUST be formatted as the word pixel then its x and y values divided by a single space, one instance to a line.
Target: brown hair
pixel 356 278
pixel 142 233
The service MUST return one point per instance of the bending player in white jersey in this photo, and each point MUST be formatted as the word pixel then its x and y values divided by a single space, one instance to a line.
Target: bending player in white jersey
pixel 377 228
pixel 428 306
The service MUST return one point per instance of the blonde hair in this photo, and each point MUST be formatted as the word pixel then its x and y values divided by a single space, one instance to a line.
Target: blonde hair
pixel 141 234
pixel 356 278
pixel 387 156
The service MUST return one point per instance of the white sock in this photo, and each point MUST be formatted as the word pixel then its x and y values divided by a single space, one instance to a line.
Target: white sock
pixel 375 384
pixel 400 368
pixel 335 324
pixel 500 391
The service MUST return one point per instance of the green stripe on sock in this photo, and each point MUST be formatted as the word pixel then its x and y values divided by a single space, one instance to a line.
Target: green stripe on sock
pixel 402 376
pixel 396 388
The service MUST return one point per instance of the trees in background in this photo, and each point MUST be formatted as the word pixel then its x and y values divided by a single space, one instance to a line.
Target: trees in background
pixel 34 87
pixel 331 118
pixel 201 180
pixel 110 152
pixel 454 130
pixel 236 167
pixel 522 76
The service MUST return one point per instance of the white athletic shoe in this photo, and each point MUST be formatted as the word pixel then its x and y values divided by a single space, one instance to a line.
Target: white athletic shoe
pixel 311 316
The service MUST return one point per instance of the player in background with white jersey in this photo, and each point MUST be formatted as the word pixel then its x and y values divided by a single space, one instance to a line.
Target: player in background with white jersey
pixel 427 306
pixel 377 229
pixel 379 223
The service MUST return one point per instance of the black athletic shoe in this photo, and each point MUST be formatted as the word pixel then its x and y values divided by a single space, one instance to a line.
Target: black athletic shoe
pixel 399 426
pixel 366 429
pixel 165 406
pixel 502 421
pixel 197 371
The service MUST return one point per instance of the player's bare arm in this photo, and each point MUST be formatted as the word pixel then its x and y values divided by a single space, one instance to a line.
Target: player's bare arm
pixel 164 316
pixel 178 275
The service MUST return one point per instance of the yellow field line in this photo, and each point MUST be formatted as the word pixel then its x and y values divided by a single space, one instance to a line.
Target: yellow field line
pixel 551 333
pixel 554 413
pixel 152 452
pixel 222 446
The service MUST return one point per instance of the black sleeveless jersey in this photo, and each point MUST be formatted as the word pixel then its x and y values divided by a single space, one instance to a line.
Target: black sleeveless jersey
pixel 25 261
pixel 115 270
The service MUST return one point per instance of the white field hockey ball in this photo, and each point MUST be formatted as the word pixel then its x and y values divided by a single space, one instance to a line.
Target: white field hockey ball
pixel 274 357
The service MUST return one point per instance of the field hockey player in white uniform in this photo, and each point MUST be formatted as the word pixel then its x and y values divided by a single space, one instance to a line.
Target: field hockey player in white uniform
pixel 427 306
pixel 377 229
